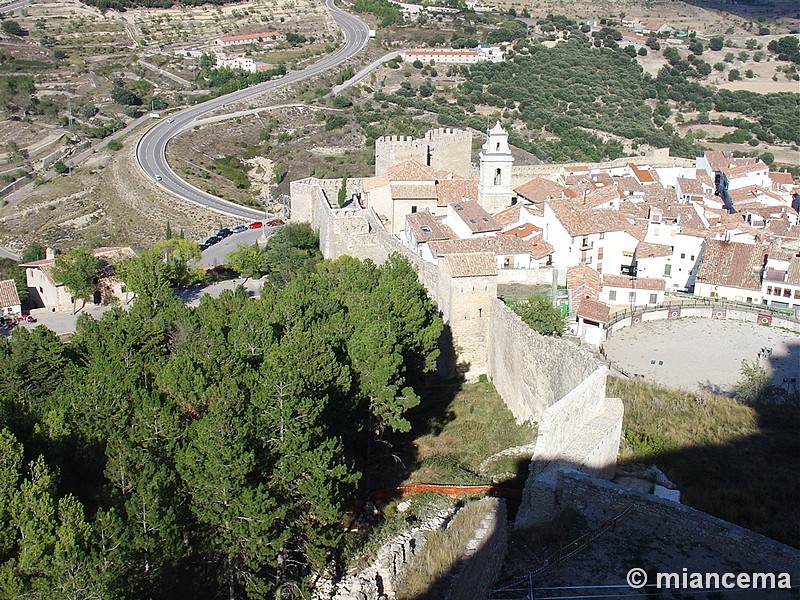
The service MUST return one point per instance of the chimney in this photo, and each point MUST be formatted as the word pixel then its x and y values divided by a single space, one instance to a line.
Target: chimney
pixel 49 253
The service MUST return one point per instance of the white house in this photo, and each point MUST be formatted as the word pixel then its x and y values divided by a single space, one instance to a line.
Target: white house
pixel 731 271
pixel 47 292
pixel 422 227
pixel 600 238
pixel 633 291
pixel 780 283
pixel 10 305
pixel 468 219
pixel 510 252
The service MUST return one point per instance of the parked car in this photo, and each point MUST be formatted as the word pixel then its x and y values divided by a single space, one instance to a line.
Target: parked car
pixel 203 246
pixel 239 229
pixel 214 239
pixel 223 233
pixel 27 317
pixel 255 225
pixel 275 223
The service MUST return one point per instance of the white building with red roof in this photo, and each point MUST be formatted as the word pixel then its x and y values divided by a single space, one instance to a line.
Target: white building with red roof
pixel 10 305
pixel 46 291
pixel 600 238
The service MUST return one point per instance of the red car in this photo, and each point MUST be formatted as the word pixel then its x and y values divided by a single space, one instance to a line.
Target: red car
pixel 255 225
pixel 274 222
pixel 27 317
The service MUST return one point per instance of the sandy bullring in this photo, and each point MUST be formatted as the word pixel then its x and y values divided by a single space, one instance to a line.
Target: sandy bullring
pixel 704 354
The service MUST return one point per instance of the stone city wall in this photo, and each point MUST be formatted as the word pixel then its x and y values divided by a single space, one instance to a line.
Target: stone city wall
pixel 530 371
pixel 481 564
pixel 525 276
pixel 730 547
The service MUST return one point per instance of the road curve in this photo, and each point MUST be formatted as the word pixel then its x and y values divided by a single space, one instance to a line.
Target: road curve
pixel 152 146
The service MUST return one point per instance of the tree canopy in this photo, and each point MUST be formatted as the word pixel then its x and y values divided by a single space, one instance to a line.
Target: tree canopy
pixel 211 451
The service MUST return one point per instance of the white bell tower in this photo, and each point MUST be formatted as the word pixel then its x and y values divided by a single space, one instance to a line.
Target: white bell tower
pixel 494 185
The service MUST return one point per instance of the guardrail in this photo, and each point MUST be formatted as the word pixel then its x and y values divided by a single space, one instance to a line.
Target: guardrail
pixel 789 314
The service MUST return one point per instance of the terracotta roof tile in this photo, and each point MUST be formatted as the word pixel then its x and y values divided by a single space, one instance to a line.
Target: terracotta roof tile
pixel 583 281
pixel 635 283
pixel 456 190
pixel 540 189
pixel 496 244
pixel 583 222
pixel 540 248
pixel 475 217
pixel 405 191
pixel 427 228
pixel 410 170
pixel 648 250
pixel 593 310
pixel 731 264
pixel 523 231
pixel 476 264
pixel 8 293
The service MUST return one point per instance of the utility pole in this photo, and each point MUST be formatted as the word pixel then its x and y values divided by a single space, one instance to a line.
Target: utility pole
pixel 69 112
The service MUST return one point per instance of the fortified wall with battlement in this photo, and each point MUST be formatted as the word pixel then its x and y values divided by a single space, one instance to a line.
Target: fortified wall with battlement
pixel 553 382
pixel 441 149
pixel 550 381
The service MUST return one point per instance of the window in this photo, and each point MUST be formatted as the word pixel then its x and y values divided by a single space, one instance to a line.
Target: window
pixel 413 209
pixel 612 295
pixel 599 268
pixel 683 255
pixel 653 298
pixel 797 294
pixel 599 254
pixel 632 297
pixel 691 257
pixel 777 291
pixel 787 293
pixel 602 236
pixel 667 270
pixel 627 253
pixel 769 289
pixel 497 176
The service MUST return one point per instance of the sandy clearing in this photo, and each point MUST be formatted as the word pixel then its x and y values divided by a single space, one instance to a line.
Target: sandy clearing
pixel 703 354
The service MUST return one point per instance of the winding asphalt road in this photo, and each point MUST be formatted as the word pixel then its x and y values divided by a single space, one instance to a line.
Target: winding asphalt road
pixel 152 146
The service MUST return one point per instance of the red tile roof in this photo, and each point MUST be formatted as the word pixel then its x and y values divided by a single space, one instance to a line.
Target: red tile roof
pixel 478 264
pixel 540 189
pixel 410 170
pixel 8 294
pixel 475 217
pixel 593 310
pixel 732 264
pixel 655 284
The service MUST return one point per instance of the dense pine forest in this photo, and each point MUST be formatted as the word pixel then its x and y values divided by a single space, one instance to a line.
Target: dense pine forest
pixel 209 452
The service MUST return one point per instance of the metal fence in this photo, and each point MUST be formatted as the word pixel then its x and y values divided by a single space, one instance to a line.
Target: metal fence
pixel 791 315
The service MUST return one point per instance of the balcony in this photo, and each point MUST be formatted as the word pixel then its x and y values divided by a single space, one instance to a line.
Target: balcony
pixel 586 245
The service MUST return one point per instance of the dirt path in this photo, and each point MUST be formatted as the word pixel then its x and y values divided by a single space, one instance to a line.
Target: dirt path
pixel 703 354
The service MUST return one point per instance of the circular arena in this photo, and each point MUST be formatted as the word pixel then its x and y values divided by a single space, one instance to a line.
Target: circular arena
pixel 705 355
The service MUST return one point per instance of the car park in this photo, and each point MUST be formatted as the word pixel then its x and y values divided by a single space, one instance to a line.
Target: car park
pixel 255 225
pixel 239 229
